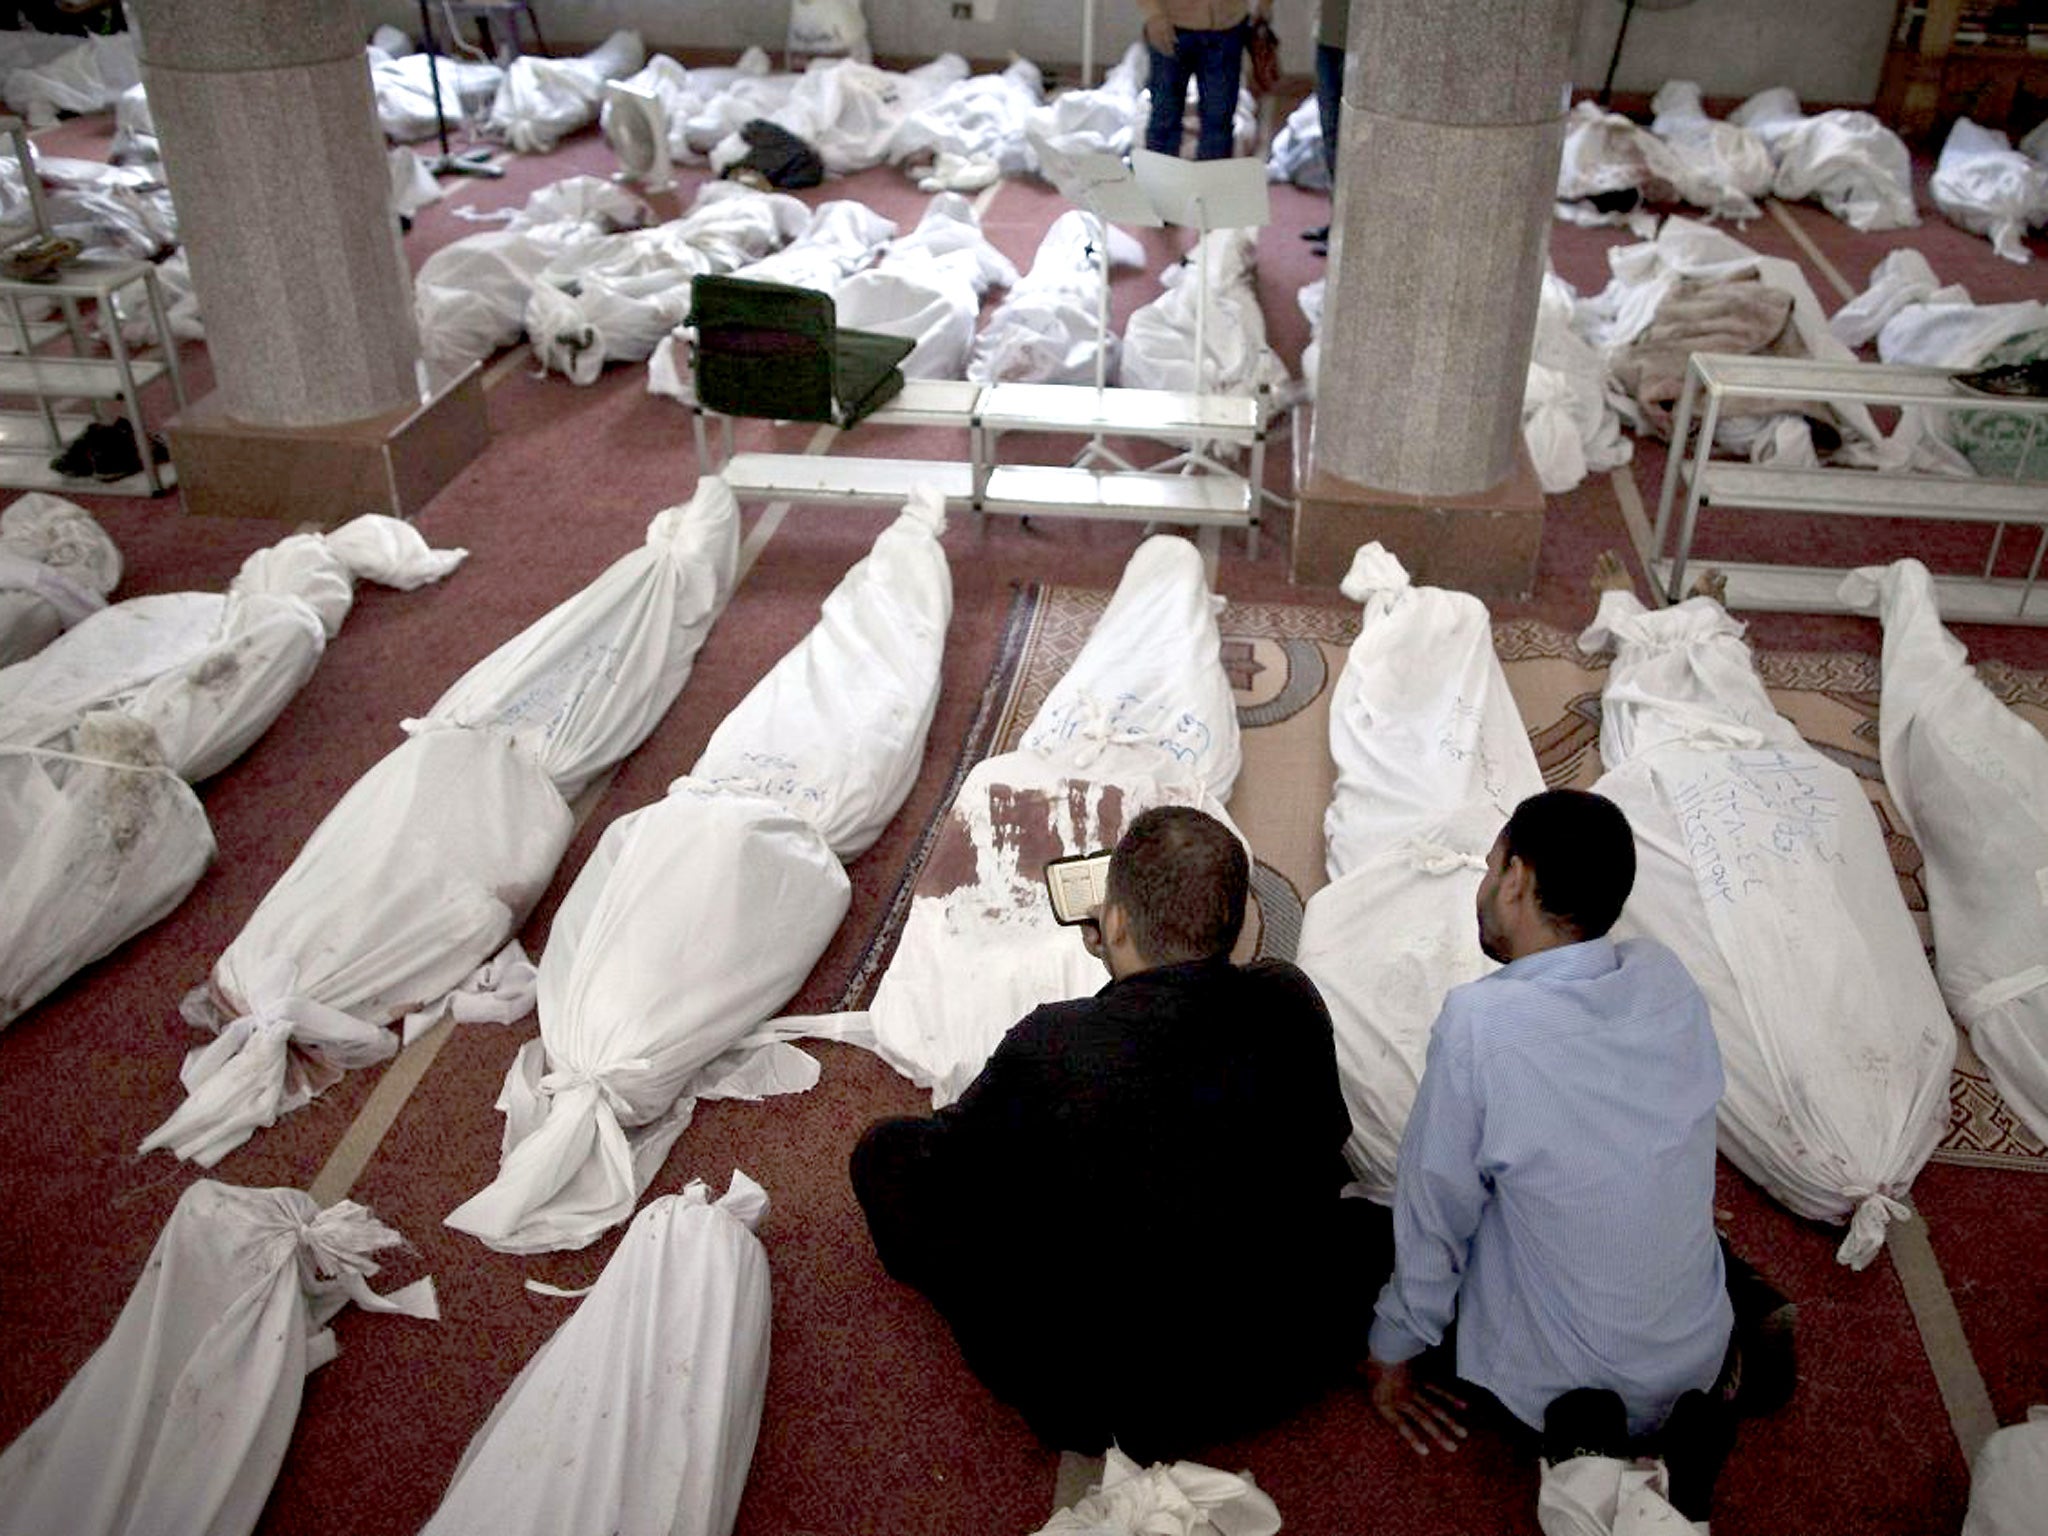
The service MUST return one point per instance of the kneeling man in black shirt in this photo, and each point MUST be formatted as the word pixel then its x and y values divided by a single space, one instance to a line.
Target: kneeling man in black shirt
pixel 1132 1218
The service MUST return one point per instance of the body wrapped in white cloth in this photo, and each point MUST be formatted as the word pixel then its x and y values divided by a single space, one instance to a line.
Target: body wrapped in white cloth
pixel 1761 864
pixel 634 1029
pixel 1432 758
pixel 432 859
pixel 639 1416
pixel 1970 778
pixel 1144 717
pixel 57 566
pixel 181 1418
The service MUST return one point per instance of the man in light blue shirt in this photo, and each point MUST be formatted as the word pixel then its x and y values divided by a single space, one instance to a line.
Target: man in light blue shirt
pixel 1555 1187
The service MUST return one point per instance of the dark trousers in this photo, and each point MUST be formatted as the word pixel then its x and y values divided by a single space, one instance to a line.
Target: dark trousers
pixel 1215 61
pixel 1329 103
pixel 1059 1352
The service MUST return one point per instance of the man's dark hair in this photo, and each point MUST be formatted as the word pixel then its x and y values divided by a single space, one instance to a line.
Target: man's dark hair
pixel 1181 877
pixel 1582 853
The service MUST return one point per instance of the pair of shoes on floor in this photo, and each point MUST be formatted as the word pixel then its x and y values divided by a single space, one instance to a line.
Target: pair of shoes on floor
pixel 105 451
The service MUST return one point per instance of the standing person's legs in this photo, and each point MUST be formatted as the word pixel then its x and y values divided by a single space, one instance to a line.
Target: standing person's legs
pixel 1218 60
pixel 1329 103
pixel 1169 87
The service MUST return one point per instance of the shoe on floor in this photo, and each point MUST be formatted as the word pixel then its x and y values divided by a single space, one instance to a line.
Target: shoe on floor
pixel 1586 1421
pixel 1317 236
pixel 1695 1443
pixel 1762 1359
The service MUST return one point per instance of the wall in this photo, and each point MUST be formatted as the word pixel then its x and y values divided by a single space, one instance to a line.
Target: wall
pixel 1828 51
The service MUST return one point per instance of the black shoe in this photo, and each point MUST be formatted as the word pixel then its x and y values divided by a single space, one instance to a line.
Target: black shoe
pixel 1318 236
pixel 1586 1421
pixel 1695 1443
pixel 1762 1360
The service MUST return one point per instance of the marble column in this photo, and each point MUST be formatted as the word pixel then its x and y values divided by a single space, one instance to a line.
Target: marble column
pixel 1454 116
pixel 276 163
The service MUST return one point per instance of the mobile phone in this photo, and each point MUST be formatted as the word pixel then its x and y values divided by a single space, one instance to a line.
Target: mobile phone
pixel 1077 885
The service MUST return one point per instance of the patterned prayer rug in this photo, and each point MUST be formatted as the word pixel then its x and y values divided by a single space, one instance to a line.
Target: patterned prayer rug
pixel 1282 659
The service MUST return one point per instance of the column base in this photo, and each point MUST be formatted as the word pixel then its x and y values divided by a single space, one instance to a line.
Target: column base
pixel 395 463
pixel 1485 543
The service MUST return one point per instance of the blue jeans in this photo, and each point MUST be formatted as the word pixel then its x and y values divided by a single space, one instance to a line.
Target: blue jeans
pixel 1216 61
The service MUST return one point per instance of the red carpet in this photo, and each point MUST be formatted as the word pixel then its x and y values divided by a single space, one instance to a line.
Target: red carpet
pixel 872 1422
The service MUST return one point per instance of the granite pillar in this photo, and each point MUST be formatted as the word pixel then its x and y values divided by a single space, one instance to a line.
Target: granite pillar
pixel 272 151
pixel 1454 116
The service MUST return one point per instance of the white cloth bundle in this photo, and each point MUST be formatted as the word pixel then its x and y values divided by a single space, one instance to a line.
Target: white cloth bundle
pixel 1144 717
pixel 1297 152
pixel 978 119
pixel 180 1420
pixel 1901 278
pixel 1105 118
pixel 927 287
pixel 470 296
pixel 209 672
pixel 842 237
pixel 57 566
pixel 1044 330
pixel 1849 162
pixel 1432 758
pixel 1606 153
pixel 1970 778
pixel 1725 158
pixel 134 129
pixel 836 730
pixel 404 92
pixel 807 770
pixel 97 843
pixel 1159 339
pixel 638 1417
pixel 2009 1483
pixel 686 93
pixel 1982 183
pixel 753 90
pixel 543 99
pixel 1183 1498
pixel 1761 864
pixel 1605 1496
pixel 89 77
pixel 582 686
pixel 848 110
pixel 417 877
pixel 1569 424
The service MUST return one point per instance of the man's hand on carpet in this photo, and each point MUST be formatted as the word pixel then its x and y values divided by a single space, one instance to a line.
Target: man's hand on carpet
pixel 1417 1409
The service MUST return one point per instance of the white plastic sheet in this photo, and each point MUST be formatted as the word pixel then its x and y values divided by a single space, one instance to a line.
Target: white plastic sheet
pixel 1761 864
pixel 1848 162
pixel 404 93
pixel 842 237
pixel 848 110
pixel 542 100
pixel 1982 183
pixel 633 1030
pixel 1144 717
pixel 1432 758
pixel 583 685
pixel 980 119
pixel 57 566
pixel 180 1420
pixel 1901 278
pixel 1044 330
pixel 639 1416
pixel 1159 338
pixel 1571 427
pixel 1182 1498
pixel 134 129
pixel 97 844
pixel 1970 778
pixel 1723 158
pixel 2009 1483
pixel 412 184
